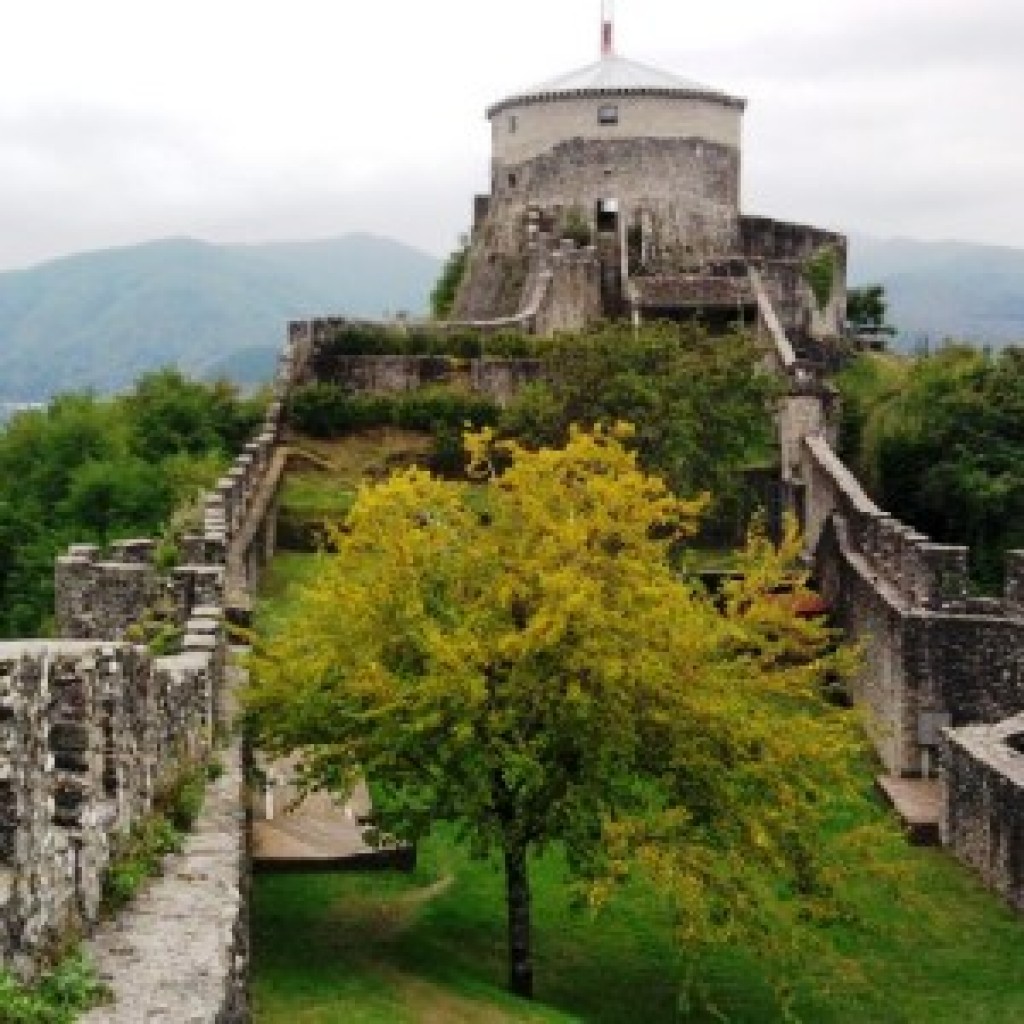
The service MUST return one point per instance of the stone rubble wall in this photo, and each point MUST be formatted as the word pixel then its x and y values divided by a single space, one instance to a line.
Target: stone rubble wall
pixel 983 823
pixel 181 951
pixel 89 731
pixel 92 726
pixel 942 673
pixel 779 251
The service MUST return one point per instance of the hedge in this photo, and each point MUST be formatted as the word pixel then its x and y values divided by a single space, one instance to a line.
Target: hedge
pixel 329 410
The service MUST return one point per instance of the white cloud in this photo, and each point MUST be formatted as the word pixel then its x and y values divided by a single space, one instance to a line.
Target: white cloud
pixel 240 120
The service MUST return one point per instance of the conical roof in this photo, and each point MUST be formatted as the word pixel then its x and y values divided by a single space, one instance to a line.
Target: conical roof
pixel 614 76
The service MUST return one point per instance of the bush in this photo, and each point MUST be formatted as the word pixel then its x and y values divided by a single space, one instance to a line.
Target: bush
pixel 139 854
pixel 59 997
pixel 357 339
pixel 327 410
pixel 448 455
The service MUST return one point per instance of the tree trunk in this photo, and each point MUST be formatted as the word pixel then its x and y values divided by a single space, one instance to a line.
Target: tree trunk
pixel 517 888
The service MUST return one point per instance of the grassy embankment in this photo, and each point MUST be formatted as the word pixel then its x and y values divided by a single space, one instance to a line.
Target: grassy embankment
pixel 429 947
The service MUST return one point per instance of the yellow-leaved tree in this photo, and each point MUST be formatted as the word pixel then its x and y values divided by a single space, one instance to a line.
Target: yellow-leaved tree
pixel 516 655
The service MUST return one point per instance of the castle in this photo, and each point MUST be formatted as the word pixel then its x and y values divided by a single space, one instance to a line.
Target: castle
pixel 615 191
pixel 640 169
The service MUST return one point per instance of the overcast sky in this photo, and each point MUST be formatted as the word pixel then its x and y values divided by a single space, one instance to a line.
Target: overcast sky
pixel 254 120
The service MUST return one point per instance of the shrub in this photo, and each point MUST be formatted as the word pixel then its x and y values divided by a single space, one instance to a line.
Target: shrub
pixel 819 272
pixel 575 226
pixel 327 410
pixel 356 339
pixel 442 298
pixel 139 854
pixel 58 998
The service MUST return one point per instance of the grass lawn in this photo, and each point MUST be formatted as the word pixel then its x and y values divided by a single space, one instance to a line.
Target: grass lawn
pixel 429 947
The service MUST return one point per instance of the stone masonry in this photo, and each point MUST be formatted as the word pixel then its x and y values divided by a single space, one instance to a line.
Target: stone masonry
pixel 92 724
pixel 942 674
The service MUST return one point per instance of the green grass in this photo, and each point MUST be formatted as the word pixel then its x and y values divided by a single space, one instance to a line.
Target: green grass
pixel 430 947
pixel 317 493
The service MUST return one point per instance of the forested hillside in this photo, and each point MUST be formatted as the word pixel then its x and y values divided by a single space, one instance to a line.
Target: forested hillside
pixel 98 320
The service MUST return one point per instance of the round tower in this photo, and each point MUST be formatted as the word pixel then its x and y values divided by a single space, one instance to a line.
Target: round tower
pixel 620 140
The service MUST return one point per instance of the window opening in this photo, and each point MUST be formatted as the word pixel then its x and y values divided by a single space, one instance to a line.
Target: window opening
pixel 607 215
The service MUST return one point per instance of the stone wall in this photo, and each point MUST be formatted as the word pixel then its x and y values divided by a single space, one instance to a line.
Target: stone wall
pixel 88 733
pixel 983 818
pixel 181 951
pixel 933 656
pixel 685 191
pixel 494 377
pixel 780 251
pixel 92 724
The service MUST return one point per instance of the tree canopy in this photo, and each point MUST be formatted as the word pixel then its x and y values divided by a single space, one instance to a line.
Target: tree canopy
pixel 866 309
pixel 442 297
pixel 938 443
pixel 516 656
pixel 701 406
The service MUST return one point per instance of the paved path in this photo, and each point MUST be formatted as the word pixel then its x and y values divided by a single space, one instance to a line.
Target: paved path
pixel 918 802
pixel 168 956
pixel 317 830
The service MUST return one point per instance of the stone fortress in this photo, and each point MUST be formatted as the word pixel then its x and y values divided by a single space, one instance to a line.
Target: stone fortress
pixel 615 192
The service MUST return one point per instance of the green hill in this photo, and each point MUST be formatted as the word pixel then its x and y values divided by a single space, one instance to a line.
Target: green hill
pixel 940 290
pixel 97 320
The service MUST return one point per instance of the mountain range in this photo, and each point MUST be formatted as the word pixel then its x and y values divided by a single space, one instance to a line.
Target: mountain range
pixel 945 290
pixel 97 320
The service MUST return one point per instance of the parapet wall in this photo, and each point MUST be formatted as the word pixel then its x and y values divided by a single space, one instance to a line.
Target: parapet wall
pixel 984 806
pixel 92 725
pixel 495 378
pixel 88 734
pixel 942 673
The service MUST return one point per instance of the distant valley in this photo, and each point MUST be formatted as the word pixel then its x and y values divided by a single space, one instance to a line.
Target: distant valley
pixel 97 320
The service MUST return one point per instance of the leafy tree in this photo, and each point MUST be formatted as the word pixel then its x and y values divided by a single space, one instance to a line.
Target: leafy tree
pixel 170 414
pixel 938 443
pixel 701 405
pixel 123 495
pixel 442 298
pixel 521 660
pixel 85 468
pixel 866 309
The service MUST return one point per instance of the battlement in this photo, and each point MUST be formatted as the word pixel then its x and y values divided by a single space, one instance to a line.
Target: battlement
pixel 88 733
pixel 94 723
